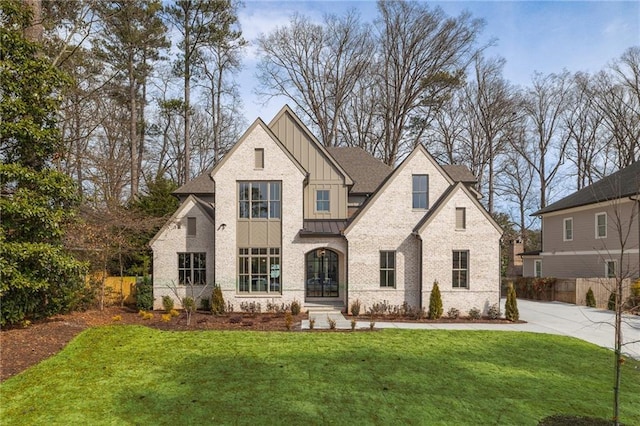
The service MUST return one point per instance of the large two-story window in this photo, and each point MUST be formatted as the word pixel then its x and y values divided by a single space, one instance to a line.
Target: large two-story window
pixel 460 278
pixel 387 269
pixel 192 268
pixel 420 192
pixel 567 229
pixel 259 270
pixel 601 225
pixel 259 200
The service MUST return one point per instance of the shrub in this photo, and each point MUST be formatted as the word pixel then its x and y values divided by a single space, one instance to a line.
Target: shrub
pixel 511 307
pixel 174 313
pixel 353 324
pixel 591 298
pixel 188 304
pixel 332 323
pixel 116 318
pixel 144 294
pixel 453 313
pixel 166 317
pixel 372 324
pixel 312 323
pixel 494 312
pixel 217 301
pixel 235 320
pixel 355 308
pixel 205 304
pixel 474 313
pixel 295 307
pixel 288 320
pixel 167 303
pixel 435 302
pixel 611 305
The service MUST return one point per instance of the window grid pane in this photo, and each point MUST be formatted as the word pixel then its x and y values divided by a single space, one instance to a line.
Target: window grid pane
pixel 460 269
pixel 420 191
pixel 387 269
pixel 259 200
pixel 192 268
pixel 259 270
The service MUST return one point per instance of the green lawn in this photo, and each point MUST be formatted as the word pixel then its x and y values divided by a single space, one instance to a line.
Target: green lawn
pixel 137 375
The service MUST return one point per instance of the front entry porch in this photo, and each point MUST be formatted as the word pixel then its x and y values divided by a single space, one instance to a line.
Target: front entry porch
pixel 322 279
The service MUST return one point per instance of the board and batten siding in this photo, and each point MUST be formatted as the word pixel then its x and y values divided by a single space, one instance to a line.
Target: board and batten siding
pixel 322 173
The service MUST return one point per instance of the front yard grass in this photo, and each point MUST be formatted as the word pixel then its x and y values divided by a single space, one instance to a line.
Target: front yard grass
pixel 138 375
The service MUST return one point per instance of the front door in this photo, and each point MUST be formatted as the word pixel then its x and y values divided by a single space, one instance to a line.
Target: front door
pixel 322 273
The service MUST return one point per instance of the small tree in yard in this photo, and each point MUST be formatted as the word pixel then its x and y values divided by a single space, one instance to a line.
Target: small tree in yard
pixel 435 302
pixel 511 307
pixel 217 301
pixel 591 299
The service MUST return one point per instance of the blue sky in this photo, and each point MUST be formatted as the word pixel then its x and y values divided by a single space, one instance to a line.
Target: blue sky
pixel 544 36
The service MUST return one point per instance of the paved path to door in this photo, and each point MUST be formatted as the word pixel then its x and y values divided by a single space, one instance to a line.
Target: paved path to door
pixel 589 324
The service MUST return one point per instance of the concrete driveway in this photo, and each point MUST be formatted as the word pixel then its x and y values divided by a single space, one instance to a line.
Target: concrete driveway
pixel 589 324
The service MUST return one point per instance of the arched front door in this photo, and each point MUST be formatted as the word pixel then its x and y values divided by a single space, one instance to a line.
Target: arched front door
pixel 322 273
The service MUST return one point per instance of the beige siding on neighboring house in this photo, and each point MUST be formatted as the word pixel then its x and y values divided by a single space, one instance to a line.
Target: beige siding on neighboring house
pixel 584 256
pixel 480 238
pixel 171 240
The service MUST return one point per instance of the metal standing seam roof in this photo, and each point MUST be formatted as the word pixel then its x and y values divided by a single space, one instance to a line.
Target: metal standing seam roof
pixel 322 227
pixel 623 183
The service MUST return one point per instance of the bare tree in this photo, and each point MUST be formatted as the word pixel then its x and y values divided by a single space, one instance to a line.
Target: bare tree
pixel 317 66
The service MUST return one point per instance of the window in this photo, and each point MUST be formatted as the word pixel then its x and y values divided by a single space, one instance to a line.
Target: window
pixel 537 268
pixel 420 192
pixel 387 269
pixel 191 227
pixel 460 269
pixel 601 225
pixel 259 270
pixel 610 268
pixel 192 268
pixel 259 200
pixel 461 218
pixel 568 229
pixel 322 200
pixel 259 158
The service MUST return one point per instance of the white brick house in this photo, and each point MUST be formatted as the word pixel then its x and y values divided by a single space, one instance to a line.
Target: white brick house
pixel 282 218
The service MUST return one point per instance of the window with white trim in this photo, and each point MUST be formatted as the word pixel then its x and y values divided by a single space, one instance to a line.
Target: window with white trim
pixel 601 225
pixel 610 268
pixel 259 200
pixel 192 268
pixel 567 229
pixel 537 268
pixel 322 200
pixel 460 278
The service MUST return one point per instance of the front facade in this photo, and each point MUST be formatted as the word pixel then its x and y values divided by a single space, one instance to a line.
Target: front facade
pixel 281 218
pixel 592 233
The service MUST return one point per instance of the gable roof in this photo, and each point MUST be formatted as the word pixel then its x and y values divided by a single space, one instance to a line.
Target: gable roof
pixel 258 123
pixel 206 208
pixel 444 199
pixel 623 183
pixel 381 188
pixel 366 171
pixel 201 184
pixel 460 173
pixel 286 109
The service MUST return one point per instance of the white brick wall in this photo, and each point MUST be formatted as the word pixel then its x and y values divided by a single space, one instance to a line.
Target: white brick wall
pixel 481 238
pixel 170 241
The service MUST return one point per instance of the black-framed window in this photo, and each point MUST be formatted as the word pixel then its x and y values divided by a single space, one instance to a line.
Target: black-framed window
pixel 322 200
pixel 460 269
pixel 387 269
pixel 259 270
pixel 259 200
pixel 192 268
pixel 420 191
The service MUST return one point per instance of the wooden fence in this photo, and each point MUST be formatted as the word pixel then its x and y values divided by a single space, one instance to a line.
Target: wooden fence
pixel 568 290
pixel 117 290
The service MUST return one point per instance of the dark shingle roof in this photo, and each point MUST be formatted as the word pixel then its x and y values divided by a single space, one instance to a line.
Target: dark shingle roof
pixel 623 183
pixel 459 173
pixel 201 184
pixel 366 171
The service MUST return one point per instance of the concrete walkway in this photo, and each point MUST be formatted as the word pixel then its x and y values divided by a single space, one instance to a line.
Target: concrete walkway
pixel 589 324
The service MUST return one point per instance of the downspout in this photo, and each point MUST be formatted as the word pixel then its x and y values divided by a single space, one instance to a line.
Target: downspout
pixel 346 275
pixel 419 238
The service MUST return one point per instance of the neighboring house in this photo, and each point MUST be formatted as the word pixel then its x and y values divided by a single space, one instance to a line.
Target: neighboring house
pixel 282 218
pixel 591 233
